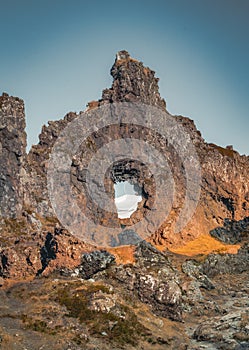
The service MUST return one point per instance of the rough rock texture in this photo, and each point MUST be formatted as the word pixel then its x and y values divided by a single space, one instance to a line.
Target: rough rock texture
pixel 12 152
pixel 232 231
pixel 225 331
pixel 154 281
pixel 193 270
pixel 128 306
pixel 29 250
pixel 224 187
pixel 35 181
pixel 220 314
pixel 227 263
pixel 224 191
pixel 132 82
pixel 94 262
pixel 77 296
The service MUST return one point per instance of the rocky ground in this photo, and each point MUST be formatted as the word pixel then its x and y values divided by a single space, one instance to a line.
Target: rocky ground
pixel 161 301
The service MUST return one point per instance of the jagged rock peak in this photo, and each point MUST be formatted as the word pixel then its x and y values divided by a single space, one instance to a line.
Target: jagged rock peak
pixel 132 82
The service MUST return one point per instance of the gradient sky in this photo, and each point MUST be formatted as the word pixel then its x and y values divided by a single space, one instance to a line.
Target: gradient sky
pixel 57 54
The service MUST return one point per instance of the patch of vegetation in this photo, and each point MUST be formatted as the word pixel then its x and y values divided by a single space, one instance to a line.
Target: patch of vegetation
pixel 38 325
pixel 120 330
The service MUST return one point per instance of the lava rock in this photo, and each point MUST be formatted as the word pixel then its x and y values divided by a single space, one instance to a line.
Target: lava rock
pixel 147 255
pixel 12 155
pixel 223 331
pixel 192 269
pixel 94 262
pixel 232 232
pixel 216 264
pixel 154 280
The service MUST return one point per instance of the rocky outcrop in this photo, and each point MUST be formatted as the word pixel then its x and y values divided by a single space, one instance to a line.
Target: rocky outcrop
pixel 94 262
pixel 229 332
pixel 193 270
pixel 12 153
pixel 224 186
pixel 111 304
pixel 35 184
pixel 153 279
pixel 216 264
pixel 132 82
pixel 232 232
pixel 34 250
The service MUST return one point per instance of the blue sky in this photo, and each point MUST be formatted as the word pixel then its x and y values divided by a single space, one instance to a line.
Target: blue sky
pixel 57 55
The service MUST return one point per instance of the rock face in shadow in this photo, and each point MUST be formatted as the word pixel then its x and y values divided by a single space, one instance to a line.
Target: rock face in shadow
pixel 48 251
pixel 36 193
pixel 94 262
pixel 232 232
pixel 12 153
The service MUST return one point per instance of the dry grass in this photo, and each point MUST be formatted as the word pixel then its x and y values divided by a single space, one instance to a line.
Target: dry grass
pixel 123 255
pixel 205 244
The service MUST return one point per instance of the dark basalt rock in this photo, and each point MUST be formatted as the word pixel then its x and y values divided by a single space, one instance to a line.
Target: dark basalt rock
pixel 193 270
pixel 216 264
pixel 232 232
pixel 126 237
pixel 12 153
pixel 3 265
pixel 132 82
pixel 154 280
pixel 94 262
pixel 48 251
pixel 147 255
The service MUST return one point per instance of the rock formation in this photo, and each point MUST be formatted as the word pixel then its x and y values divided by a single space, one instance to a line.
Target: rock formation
pixel 12 153
pixel 132 82
pixel 224 187
pixel 134 297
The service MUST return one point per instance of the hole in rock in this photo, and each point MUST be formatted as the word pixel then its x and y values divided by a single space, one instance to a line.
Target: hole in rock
pixel 127 197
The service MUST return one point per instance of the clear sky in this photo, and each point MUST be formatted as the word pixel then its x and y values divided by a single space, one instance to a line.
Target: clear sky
pixel 57 54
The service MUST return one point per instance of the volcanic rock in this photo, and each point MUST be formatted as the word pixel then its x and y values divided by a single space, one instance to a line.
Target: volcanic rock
pixel 12 153
pixel 232 232
pixel 97 302
pixel 94 262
